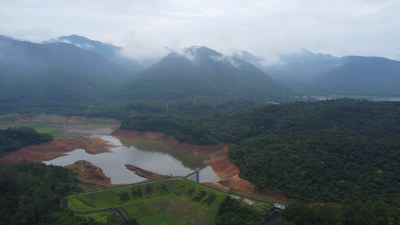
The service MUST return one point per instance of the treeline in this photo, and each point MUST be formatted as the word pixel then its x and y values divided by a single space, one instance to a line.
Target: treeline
pixel 14 138
pixel 357 213
pixel 31 192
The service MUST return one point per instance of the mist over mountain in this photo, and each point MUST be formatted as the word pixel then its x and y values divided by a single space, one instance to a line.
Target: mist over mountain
pixel 203 72
pixel 54 72
pixel 356 75
pixel 323 74
pixel 109 51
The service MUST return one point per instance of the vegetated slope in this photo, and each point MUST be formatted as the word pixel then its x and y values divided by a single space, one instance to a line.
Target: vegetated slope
pixel 200 72
pixel 14 138
pixel 54 73
pixel 109 51
pixel 193 122
pixel 176 201
pixel 325 151
pixel 31 192
pixel 356 75
pixel 366 213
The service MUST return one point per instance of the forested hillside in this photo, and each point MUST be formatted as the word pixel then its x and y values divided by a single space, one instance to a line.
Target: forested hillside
pixel 31 193
pixel 363 213
pixel 202 73
pixel 326 151
pixel 14 138
pixel 54 73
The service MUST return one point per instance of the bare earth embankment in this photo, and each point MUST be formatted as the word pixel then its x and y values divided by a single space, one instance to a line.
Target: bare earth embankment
pixel 90 176
pixel 229 174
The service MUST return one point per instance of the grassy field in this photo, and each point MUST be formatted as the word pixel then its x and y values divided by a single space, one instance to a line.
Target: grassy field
pixel 57 126
pixel 176 201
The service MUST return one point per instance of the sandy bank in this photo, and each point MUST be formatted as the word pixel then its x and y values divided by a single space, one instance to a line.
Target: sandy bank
pixel 145 173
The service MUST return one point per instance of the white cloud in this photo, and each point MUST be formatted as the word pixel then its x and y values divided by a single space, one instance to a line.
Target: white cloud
pixel 264 27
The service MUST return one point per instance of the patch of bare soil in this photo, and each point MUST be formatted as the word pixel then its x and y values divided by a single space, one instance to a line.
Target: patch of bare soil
pixel 145 173
pixel 90 176
pixel 56 148
pixel 229 174
pixel 168 141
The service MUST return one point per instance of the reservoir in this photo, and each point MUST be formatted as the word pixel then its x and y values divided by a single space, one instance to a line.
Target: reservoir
pixel 151 157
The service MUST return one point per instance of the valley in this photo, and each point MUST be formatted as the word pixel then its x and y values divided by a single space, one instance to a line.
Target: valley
pixel 91 136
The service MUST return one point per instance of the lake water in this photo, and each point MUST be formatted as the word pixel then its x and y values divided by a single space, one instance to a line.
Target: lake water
pixel 113 162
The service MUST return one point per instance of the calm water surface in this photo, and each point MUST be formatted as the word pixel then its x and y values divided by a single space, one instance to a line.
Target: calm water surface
pixel 113 163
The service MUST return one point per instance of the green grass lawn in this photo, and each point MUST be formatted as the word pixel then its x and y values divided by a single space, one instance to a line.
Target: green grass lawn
pixel 176 201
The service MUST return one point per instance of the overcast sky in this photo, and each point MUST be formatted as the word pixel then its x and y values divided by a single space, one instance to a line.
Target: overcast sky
pixel 264 27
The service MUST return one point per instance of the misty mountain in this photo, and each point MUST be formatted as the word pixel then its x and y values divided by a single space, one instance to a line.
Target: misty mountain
pixel 109 51
pixel 203 72
pixel 356 75
pixel 54 73
pixel 323 74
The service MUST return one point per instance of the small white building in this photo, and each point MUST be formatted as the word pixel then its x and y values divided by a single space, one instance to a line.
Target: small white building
pixel 279 206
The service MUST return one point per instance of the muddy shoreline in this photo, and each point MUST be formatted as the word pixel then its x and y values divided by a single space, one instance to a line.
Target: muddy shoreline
pixel 145 173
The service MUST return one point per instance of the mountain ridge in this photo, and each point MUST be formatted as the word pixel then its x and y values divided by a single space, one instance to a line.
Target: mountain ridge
pixel 201 71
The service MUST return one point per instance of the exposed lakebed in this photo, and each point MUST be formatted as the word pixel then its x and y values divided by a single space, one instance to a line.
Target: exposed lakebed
pixel 113 162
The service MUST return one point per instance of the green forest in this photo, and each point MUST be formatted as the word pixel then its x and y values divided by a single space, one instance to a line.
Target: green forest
pixel 14 138
pixel 365 213
pixel 337 151
pixel 31 194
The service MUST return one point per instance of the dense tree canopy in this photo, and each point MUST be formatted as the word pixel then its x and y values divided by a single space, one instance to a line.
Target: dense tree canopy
pixel 14 138
pixel 326 151
pixel 30 194
pixel 358 213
